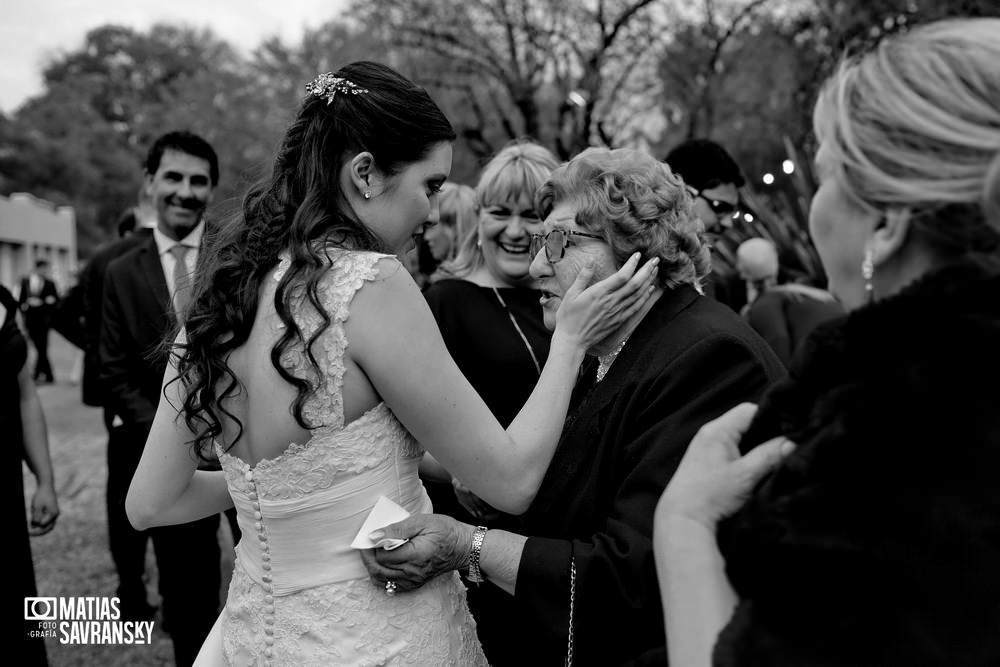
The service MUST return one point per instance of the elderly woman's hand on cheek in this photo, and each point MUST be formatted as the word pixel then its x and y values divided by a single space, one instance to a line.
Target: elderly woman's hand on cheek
pixel 437 544
pixel 713 480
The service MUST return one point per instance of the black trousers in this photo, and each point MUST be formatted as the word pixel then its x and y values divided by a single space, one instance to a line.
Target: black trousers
pixel 187 555
pixel 38 332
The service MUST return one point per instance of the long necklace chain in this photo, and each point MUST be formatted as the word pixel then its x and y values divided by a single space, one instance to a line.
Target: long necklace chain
pixel 527 343
pixel 604 362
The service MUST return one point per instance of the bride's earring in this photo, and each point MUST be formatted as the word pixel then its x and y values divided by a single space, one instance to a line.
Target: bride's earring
pixel 368 194
pixel 867 273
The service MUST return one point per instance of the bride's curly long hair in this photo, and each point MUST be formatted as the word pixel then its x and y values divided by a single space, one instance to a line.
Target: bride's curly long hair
pixel 299 208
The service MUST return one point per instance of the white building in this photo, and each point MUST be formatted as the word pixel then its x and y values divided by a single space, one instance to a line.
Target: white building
pixel 33 229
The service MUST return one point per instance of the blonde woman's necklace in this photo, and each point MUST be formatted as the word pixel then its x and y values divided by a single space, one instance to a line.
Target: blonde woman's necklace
pixel 524 339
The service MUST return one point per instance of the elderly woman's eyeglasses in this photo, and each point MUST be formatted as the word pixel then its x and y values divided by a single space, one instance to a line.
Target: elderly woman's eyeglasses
pixel 718 206
pixel 555 243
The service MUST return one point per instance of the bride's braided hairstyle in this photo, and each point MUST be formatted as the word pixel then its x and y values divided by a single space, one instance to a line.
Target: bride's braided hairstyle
pixel 299 208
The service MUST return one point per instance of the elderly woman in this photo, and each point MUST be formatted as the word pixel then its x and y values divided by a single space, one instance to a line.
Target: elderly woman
pixel 580 569
pixel 876 539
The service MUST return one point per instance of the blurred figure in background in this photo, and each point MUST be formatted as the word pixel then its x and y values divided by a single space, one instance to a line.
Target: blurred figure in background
pixel 134 227
pixel 22 424
pixel 782 314
pixel 875 540
pixel 458 214
pixel 38 299
pixel 78 314
pixel 417 262
pixel 489 314
pixel 713 178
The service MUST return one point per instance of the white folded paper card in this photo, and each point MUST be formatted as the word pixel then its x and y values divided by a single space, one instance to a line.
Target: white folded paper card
pixel 384 513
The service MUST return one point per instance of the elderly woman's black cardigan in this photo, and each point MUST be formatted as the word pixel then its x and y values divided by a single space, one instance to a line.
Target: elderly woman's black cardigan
pixel 689 360
pixel 878 541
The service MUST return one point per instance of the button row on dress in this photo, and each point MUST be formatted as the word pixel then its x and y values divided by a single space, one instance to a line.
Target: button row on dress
pixel 266 565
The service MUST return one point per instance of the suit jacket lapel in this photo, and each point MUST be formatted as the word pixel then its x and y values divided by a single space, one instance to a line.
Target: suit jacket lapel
pixel 152 269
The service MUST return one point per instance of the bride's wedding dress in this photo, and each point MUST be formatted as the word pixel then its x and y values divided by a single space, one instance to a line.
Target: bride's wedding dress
pixel 300 594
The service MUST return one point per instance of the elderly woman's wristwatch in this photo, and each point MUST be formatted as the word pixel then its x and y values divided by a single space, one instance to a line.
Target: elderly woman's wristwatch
pixel 475 574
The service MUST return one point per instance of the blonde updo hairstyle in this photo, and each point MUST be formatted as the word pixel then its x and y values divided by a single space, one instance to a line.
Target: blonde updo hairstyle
pixel 516 171
pixel 916 124
pixel 638 205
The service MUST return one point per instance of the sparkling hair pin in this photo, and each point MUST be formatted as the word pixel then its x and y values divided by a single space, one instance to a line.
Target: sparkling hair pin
pixel 327 86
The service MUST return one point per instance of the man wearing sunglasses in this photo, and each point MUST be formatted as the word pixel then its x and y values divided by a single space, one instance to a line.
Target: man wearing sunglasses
pixel 713 178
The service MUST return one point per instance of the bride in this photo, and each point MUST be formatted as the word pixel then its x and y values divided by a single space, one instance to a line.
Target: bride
pixel 311 367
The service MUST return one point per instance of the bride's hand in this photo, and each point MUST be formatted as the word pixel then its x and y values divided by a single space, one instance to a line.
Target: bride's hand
pixel 589 313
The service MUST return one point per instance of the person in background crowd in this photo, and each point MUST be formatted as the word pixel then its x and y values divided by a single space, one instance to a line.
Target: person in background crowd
pixel 38 299
pixel 22 424
pixel 78 314
pixel 782 314
pixel 135 227
pixel 713 178
pixel 488 310
pixel 874 539
pixel 458 218
pixel 144 292
pixel 581 570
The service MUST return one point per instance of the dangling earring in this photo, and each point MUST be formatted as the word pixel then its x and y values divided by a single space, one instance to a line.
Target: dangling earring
pixel 867 273
pixel 479 242
pixel 368 194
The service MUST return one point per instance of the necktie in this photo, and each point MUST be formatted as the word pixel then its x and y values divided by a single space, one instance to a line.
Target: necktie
pixel 182 287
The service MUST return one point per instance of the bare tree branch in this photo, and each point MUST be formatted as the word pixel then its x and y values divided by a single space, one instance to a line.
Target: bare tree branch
pixel 623 20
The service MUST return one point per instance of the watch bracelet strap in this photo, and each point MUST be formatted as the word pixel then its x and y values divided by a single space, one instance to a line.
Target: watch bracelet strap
pixel 475 574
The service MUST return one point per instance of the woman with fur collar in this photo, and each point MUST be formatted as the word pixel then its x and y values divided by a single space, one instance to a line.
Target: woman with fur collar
pixel 875 538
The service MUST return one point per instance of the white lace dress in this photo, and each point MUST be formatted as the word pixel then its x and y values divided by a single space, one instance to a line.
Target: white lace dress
pixel 300 594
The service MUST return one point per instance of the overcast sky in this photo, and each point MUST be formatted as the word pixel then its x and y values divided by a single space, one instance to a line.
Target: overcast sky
pixel 31 31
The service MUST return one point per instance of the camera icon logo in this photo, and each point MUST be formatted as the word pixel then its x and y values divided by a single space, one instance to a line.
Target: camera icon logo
pixel 40 609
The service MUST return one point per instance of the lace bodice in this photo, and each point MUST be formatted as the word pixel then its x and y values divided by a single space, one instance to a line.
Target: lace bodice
pixel 336 289
pixel 300 594
pixel 333 449
pixel 318 464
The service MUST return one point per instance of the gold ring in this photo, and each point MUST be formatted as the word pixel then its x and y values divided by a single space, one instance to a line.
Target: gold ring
pixel 390 588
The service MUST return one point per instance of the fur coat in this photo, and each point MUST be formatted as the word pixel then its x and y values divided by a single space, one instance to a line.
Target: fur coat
pixel 877 542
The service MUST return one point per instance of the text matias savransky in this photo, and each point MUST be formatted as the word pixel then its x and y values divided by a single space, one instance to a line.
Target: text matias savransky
pixel 84 620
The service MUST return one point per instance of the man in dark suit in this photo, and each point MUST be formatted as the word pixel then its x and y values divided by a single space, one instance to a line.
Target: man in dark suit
pixel 78 315
pixel 134 228
pixel 37 301
pixel 144 290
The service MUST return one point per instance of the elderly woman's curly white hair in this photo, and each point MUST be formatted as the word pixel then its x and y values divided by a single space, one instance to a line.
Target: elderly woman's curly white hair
pixel 638 205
